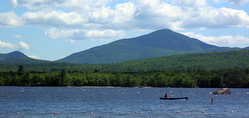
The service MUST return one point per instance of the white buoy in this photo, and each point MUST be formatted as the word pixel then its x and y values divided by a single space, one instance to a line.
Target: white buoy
pixel 231 111
pixel 178 112
pixel 203 112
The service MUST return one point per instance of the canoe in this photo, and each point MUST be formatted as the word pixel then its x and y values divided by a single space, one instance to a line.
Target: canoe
pixel 174 98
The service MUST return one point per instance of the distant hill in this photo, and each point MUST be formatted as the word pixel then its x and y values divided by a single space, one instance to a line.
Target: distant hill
pixel 12 55
pixel 156 44
pixel 18 57
pixel 246 48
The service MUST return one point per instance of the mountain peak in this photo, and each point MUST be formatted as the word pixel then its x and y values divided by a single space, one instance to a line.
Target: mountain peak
pixel 12 55
pixel 168 39
pixel 163 30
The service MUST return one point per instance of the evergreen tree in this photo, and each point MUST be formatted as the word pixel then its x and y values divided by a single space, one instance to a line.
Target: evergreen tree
pixel 63 76
pixel 20 70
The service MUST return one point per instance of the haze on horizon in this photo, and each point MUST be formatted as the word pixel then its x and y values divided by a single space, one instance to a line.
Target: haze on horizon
pixel 53 29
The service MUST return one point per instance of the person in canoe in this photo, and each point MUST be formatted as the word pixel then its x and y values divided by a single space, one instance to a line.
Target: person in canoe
pixel 166 96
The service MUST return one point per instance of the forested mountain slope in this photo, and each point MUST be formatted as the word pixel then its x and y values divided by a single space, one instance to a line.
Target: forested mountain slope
pixel 12 55
pixel 208 61
pixel 156 44
pixel 18 58
pixel 246 48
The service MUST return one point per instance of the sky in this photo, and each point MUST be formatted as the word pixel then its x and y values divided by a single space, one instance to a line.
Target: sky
pixel 54 29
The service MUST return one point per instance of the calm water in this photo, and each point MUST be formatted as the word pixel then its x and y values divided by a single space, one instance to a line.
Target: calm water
pixel 120 102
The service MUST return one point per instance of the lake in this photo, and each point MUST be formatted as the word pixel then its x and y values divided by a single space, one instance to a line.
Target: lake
pixel 119 102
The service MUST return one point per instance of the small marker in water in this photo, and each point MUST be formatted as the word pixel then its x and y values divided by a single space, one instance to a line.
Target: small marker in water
pixel 55 112
pixel 203 112
pixel 91 112
pixel 178 112
pixel 137 112
pixel 212 100
pixel 17 113
pixel 231 111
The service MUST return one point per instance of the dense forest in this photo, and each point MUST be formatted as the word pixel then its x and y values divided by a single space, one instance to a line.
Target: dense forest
pixel 235 77
pixel 219 69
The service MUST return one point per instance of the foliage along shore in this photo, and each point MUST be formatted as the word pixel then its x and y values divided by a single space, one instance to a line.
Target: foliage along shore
pixel 235 78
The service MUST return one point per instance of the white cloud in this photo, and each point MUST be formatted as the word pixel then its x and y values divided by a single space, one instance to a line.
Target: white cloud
pixel 216 1
pixel 14 3
pixel 102 18
pixel 34 57
pixel 211 18
pixel 74 41
pixel 79 5
pixel 154 14
pixel 4 45
pixel 63 57
pixel 238 2
pixel 10 20
pixel 189 3
pixel 135 14
pixel 79 34
pixel 23 46
pixel 55 18
pixel 17 36
pixel 231 2
pixel 221 40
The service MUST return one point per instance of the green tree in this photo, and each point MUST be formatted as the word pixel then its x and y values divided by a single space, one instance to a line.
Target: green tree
pixel 35 80
pixel 63 76
pixel 20 70
pixel 26 79
pixel 77 81
pixel 216 81
pixel 2 80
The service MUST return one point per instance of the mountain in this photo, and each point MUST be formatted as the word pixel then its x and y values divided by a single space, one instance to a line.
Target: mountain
pixel 12 55
pixel 246 48
pixel 18 57
pixel 156 44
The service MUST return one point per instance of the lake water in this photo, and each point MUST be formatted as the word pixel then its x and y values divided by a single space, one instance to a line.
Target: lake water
pixel 120 102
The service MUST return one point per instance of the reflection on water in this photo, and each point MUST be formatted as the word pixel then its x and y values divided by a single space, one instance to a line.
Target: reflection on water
pixel 120 102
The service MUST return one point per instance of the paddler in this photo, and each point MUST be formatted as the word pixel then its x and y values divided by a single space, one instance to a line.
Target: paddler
pixel 166 96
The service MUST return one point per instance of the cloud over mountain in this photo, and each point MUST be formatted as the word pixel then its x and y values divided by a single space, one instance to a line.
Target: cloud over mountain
pixel 10 20
pixel 82 34
pixel 4 45
pixel 238 2
pixel 21 46
pixel 98 20
pixel 221 40
pixel 138 14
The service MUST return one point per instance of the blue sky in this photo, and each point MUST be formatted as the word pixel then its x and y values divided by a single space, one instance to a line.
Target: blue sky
pixel 53 29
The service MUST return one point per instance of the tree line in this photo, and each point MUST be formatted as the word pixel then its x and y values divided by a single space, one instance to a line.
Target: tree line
pixel 208 61
pixel 233 77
